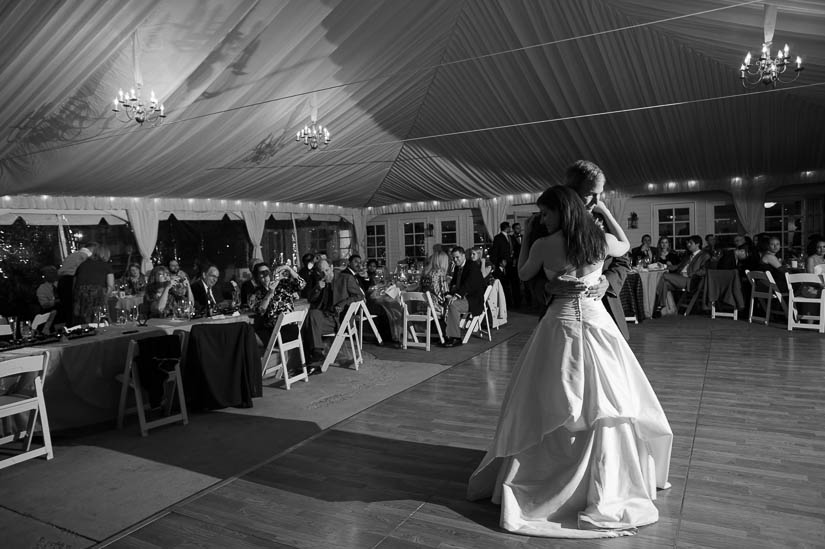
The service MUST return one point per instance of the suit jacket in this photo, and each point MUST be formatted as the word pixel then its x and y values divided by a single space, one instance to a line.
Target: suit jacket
pixel 470 285
pixel 201 296
pixel 501 250
pixel 615 270
pixel 696 265
pixel 346 289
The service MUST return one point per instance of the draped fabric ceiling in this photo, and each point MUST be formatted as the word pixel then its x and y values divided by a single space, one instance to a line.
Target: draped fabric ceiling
pixel 427 100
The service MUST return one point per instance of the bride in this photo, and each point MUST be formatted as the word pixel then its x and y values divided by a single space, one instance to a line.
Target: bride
pixel 582 442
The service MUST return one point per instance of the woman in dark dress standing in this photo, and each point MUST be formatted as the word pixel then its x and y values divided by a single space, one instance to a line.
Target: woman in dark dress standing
pixel 93 284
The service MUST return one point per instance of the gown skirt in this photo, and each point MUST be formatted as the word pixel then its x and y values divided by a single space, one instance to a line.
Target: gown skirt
pixel 582 442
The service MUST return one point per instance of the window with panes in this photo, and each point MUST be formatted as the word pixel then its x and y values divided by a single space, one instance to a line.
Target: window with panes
pixel 414 241
pixel 449 233
pixel 725 225
pixel 783 220
pixel 674 222
pixel 377 243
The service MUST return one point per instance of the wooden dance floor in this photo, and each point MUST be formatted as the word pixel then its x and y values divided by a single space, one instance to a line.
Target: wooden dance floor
pixel 745 403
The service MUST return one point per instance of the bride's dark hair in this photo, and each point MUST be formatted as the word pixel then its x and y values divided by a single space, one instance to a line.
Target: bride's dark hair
pixel 583 239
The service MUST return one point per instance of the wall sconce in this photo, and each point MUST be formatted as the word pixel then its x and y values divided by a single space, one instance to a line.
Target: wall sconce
pixel 430 229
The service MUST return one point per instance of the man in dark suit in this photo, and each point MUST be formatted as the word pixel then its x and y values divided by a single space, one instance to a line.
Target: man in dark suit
pixel 685 274
pixel 202 290
pixel 588 180
pixel 322 317
pixel 515 281
pixel 346 288
pixel 466 294
pixel 501 256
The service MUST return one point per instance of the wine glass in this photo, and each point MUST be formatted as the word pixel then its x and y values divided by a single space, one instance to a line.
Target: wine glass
pixel 133 314
pixel 26 330
pixel 121 315
pixel 13 325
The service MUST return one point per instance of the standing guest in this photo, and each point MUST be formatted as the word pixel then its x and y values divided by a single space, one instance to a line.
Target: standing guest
pixel 501 256
pixel 133 281
pixel 93 284
pixel 466 294
pixel 515 281
pixel 65 281
pixel 434 280
pixel 346 288
pixel 582 442
pixel 165 294
pixel 274 295
pixel 588 180
pixel 643 253
pixel 664 254
pixel 202 290
pixel 323 317
pixel 46 296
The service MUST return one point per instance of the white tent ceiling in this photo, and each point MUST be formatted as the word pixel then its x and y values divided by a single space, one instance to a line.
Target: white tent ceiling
pixel 426 99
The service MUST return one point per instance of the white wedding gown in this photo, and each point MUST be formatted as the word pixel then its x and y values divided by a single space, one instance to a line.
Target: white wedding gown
pixel 582 442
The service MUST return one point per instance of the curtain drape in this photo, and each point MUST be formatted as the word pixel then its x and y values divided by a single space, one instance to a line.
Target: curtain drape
pixel 493 211
pixel 359 239
pixel 616 202
pixel 749 200
pixel 144 223
pixel 255 221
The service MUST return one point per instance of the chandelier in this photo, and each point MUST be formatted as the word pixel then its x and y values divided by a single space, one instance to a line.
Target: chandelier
pixel 133 108
pixel 130 106
pixel 768 69
pixel 313 135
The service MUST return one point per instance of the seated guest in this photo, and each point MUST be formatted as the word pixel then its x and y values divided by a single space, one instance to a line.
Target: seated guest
pixel 274 295
pixel 769 249
pixel 164 294
pixel 466 294
pixel 434 280
pixel 739 258
pixel 93 284
pixel 710 245
pixel 643 253
pixel 486 266
pixel 307 262
pixel 323 318
pixel 346 287
pixel 817 258
pixel 46 297
pixel 175 270
pixel 684 275
pixel 133 282
pixel 664 255
pixel 371 278
pixel 202 290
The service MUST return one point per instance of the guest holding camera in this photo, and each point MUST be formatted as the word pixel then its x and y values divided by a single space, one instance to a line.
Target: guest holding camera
pixel 165 294
pixel 274 295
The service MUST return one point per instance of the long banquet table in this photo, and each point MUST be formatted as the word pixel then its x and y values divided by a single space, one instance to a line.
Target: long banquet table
pixel 80 386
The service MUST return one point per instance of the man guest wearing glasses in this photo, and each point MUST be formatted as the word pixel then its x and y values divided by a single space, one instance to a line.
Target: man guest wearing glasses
pixel 202 290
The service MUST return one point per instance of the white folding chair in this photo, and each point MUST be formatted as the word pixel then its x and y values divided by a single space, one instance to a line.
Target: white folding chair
pixel 45 320
pixel 5 327
pixel 348 330
pixel 278 345
pixel 429 316
pixel 130 378
pixel 764 288
pixel 14 404
pixel 714 311
pixel 363 314
pixel 475 323
pixel 798 319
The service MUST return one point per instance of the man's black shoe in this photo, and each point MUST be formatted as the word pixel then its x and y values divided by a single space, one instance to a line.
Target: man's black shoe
pixel 452 342
pixel 657 313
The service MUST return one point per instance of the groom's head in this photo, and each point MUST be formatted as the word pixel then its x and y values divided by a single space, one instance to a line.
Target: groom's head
pixel 587 179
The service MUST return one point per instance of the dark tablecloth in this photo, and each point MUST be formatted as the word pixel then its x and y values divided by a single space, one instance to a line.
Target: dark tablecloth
pixel 632 297
pixel 223 366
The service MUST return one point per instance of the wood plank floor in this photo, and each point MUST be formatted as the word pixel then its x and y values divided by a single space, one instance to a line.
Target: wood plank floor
pixel 746 404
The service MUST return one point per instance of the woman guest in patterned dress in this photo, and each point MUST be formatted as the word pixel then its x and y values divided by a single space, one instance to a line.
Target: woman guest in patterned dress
pixel 164 295
pixel 93 284
pixel 434 280
pixel 133 281
pixel 273 296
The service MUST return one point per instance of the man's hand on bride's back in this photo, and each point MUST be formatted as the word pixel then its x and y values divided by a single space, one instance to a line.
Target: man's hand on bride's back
pixel 564 288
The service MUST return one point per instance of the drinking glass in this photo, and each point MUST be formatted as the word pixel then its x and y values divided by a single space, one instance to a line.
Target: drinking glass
pixel 13 326
pixel 121 316
pixel 133 314
pixel 26 330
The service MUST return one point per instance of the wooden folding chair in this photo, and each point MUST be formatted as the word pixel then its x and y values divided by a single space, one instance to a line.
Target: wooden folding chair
pixel 475 323
pixel 764 288
pixel 278 345
pixel 14 404
pixel 130 378
pixel 798 319
pixel 348 330
pixel 690 296
pixel 429 316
